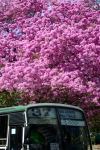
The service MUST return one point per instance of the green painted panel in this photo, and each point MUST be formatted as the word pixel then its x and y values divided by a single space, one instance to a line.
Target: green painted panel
pixel 12 109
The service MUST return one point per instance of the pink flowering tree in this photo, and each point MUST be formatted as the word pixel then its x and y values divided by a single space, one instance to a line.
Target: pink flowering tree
pixel 50 52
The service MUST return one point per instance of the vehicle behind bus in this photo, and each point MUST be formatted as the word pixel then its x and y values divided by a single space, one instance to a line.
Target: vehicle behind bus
pixel 45 126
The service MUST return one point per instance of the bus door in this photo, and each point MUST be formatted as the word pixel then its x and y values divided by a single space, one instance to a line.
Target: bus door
pixel 16 133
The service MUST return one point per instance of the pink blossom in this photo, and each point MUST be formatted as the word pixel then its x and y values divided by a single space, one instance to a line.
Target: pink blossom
pixel 50 55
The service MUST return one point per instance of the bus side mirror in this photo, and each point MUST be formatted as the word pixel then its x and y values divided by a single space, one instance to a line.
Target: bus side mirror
pixel 27 141
pixel 27 129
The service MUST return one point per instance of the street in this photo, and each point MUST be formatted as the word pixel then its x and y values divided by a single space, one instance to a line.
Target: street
pixel 96 147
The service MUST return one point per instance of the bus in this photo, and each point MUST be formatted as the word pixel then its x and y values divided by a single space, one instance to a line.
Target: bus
pixel 44 126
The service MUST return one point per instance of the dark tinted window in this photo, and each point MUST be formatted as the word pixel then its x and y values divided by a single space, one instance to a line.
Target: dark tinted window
pixel 3 129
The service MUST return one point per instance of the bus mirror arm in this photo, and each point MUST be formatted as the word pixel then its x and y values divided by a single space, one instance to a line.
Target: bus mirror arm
pixel 27 141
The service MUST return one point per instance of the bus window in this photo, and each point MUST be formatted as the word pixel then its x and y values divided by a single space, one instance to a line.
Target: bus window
pixel 3 131
pixel 74 129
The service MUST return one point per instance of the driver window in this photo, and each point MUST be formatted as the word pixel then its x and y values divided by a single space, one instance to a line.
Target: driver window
pixel 36 135
pixel 42 136
pixel 44 130
pixel 3 131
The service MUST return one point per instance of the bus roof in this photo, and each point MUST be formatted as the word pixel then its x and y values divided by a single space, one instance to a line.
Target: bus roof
pixel 8 110
pixel 12 109
pixel 53 105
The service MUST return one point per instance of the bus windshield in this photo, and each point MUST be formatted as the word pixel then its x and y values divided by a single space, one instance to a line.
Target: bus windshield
pixel 57 129
pixel 74 128
pixel 44 128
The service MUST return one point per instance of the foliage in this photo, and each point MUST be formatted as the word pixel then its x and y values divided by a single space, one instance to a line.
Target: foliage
pixel 9 99
pixel 50 52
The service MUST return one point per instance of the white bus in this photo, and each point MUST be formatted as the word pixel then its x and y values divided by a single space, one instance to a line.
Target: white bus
pixel 44 126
